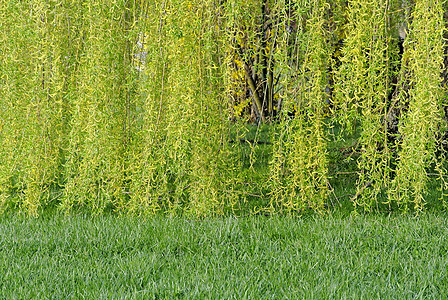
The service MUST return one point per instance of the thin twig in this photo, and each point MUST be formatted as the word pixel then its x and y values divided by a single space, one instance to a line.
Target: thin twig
pixel 332 190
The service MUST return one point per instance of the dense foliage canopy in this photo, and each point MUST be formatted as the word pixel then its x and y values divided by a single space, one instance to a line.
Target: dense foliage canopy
pixel 208 107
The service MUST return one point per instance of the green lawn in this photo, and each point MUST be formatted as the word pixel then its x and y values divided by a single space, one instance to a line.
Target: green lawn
pixel 331 257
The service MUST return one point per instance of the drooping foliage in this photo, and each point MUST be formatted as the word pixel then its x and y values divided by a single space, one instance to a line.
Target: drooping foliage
pixel 299 164
pixel 363 85
pixel 208 107
pixel 423 58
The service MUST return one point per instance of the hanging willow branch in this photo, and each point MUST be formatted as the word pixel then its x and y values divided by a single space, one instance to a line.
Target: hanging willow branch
pixel 424 54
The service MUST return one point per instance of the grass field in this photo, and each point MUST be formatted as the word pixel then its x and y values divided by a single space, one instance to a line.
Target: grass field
pixel 341 255
pixel 332 257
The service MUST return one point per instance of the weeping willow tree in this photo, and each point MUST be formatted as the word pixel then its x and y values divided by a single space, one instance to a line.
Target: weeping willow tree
pixel 145 106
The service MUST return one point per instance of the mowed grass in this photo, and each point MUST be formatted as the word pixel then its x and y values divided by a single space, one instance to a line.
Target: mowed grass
pixel 110 257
